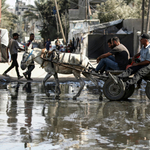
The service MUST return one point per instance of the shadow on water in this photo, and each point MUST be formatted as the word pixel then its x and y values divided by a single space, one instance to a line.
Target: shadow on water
pixel 32 118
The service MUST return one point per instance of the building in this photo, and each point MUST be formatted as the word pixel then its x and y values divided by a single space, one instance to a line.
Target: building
pixel 24 24
pixel 83 10
pixel 20 8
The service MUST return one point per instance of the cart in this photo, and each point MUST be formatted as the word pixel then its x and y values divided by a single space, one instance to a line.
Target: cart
pixel 111 89
pixel 117 91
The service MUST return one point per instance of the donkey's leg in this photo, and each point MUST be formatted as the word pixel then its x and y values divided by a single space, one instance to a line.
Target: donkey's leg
pixel 57 89
pixel 78 77
pixel 43 82
pixel 46 78
pixel 88 76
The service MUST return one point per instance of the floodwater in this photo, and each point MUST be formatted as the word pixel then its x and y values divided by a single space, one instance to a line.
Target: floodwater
pixel 31 119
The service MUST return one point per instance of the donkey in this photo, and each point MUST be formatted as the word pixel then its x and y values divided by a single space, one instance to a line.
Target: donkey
pixel 64 63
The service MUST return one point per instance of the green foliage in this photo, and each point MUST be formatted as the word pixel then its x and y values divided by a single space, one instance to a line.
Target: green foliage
pixel 138 8
pixel 120 9
pixel 42 11
pixel 8 20
pixel 129 1
pixel 63 6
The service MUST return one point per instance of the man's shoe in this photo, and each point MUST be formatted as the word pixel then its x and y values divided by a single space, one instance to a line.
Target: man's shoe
pixel 20 77
pixel 91 69
pixel 29 79
pixel 94 73
pixel 4 74
pixel 25 76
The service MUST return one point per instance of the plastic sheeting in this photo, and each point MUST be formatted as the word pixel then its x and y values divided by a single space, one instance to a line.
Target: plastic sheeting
pixel 97 44
pixel 4 40
pixel 4 36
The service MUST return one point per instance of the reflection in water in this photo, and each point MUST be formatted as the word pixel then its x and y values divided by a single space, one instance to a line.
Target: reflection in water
pixel 12 107
pixel 50 89
pixel 28 104
pixel 37 120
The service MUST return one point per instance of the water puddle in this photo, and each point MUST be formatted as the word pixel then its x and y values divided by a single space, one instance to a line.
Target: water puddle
pixel 32 119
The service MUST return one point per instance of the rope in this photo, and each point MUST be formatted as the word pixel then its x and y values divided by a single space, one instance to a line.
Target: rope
pixel 29 55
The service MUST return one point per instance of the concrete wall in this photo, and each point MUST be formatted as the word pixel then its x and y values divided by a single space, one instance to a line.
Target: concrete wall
pixel 78 14
pixel 73 14
pixel 134 24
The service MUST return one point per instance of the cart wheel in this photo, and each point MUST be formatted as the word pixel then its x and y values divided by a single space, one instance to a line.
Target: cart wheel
pixel 129 91
pixel 114 91
pixel 147 89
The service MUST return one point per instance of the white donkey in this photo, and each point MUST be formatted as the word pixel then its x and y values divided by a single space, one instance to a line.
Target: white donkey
pixel 64 63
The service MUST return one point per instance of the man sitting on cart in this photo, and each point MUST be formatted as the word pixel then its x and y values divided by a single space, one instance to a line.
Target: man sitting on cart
pixel 116 59
pixel 139 69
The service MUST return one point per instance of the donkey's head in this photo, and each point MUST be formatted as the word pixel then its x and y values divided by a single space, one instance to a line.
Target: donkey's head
pixel 26 59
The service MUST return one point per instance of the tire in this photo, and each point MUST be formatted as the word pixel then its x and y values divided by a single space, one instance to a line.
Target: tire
pixel 147 89
pixel 129 92
pixel 114 91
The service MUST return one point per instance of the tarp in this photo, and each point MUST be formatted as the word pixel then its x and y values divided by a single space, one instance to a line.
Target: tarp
pixel 4 36
pixel 97 44
pixel 4 40
pixel 85 29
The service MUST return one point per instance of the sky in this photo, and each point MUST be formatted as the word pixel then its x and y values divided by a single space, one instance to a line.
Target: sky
pixel 12 2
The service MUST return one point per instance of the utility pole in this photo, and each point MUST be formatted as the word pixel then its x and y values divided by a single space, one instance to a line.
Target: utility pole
pixel 142 16
pixel 0 11
pixel 60 22
pixel 57 23
pixel 148 14
pixel 66 23
pixel 85 9
pixel 88 9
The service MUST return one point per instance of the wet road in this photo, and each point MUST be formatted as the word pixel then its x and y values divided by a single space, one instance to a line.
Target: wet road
pixel 31 119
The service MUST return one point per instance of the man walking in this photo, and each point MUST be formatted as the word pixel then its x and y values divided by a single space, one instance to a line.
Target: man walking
pixel 27 74
pixel 13 47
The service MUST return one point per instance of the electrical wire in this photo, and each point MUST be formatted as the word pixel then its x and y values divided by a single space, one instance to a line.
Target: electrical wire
pixel 76 4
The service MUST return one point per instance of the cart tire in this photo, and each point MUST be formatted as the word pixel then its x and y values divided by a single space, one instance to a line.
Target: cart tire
pixel 114 91
pixel 129 91
pixel 147 89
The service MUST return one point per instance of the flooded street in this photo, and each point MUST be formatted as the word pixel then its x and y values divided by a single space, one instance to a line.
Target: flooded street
pixel 31 119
